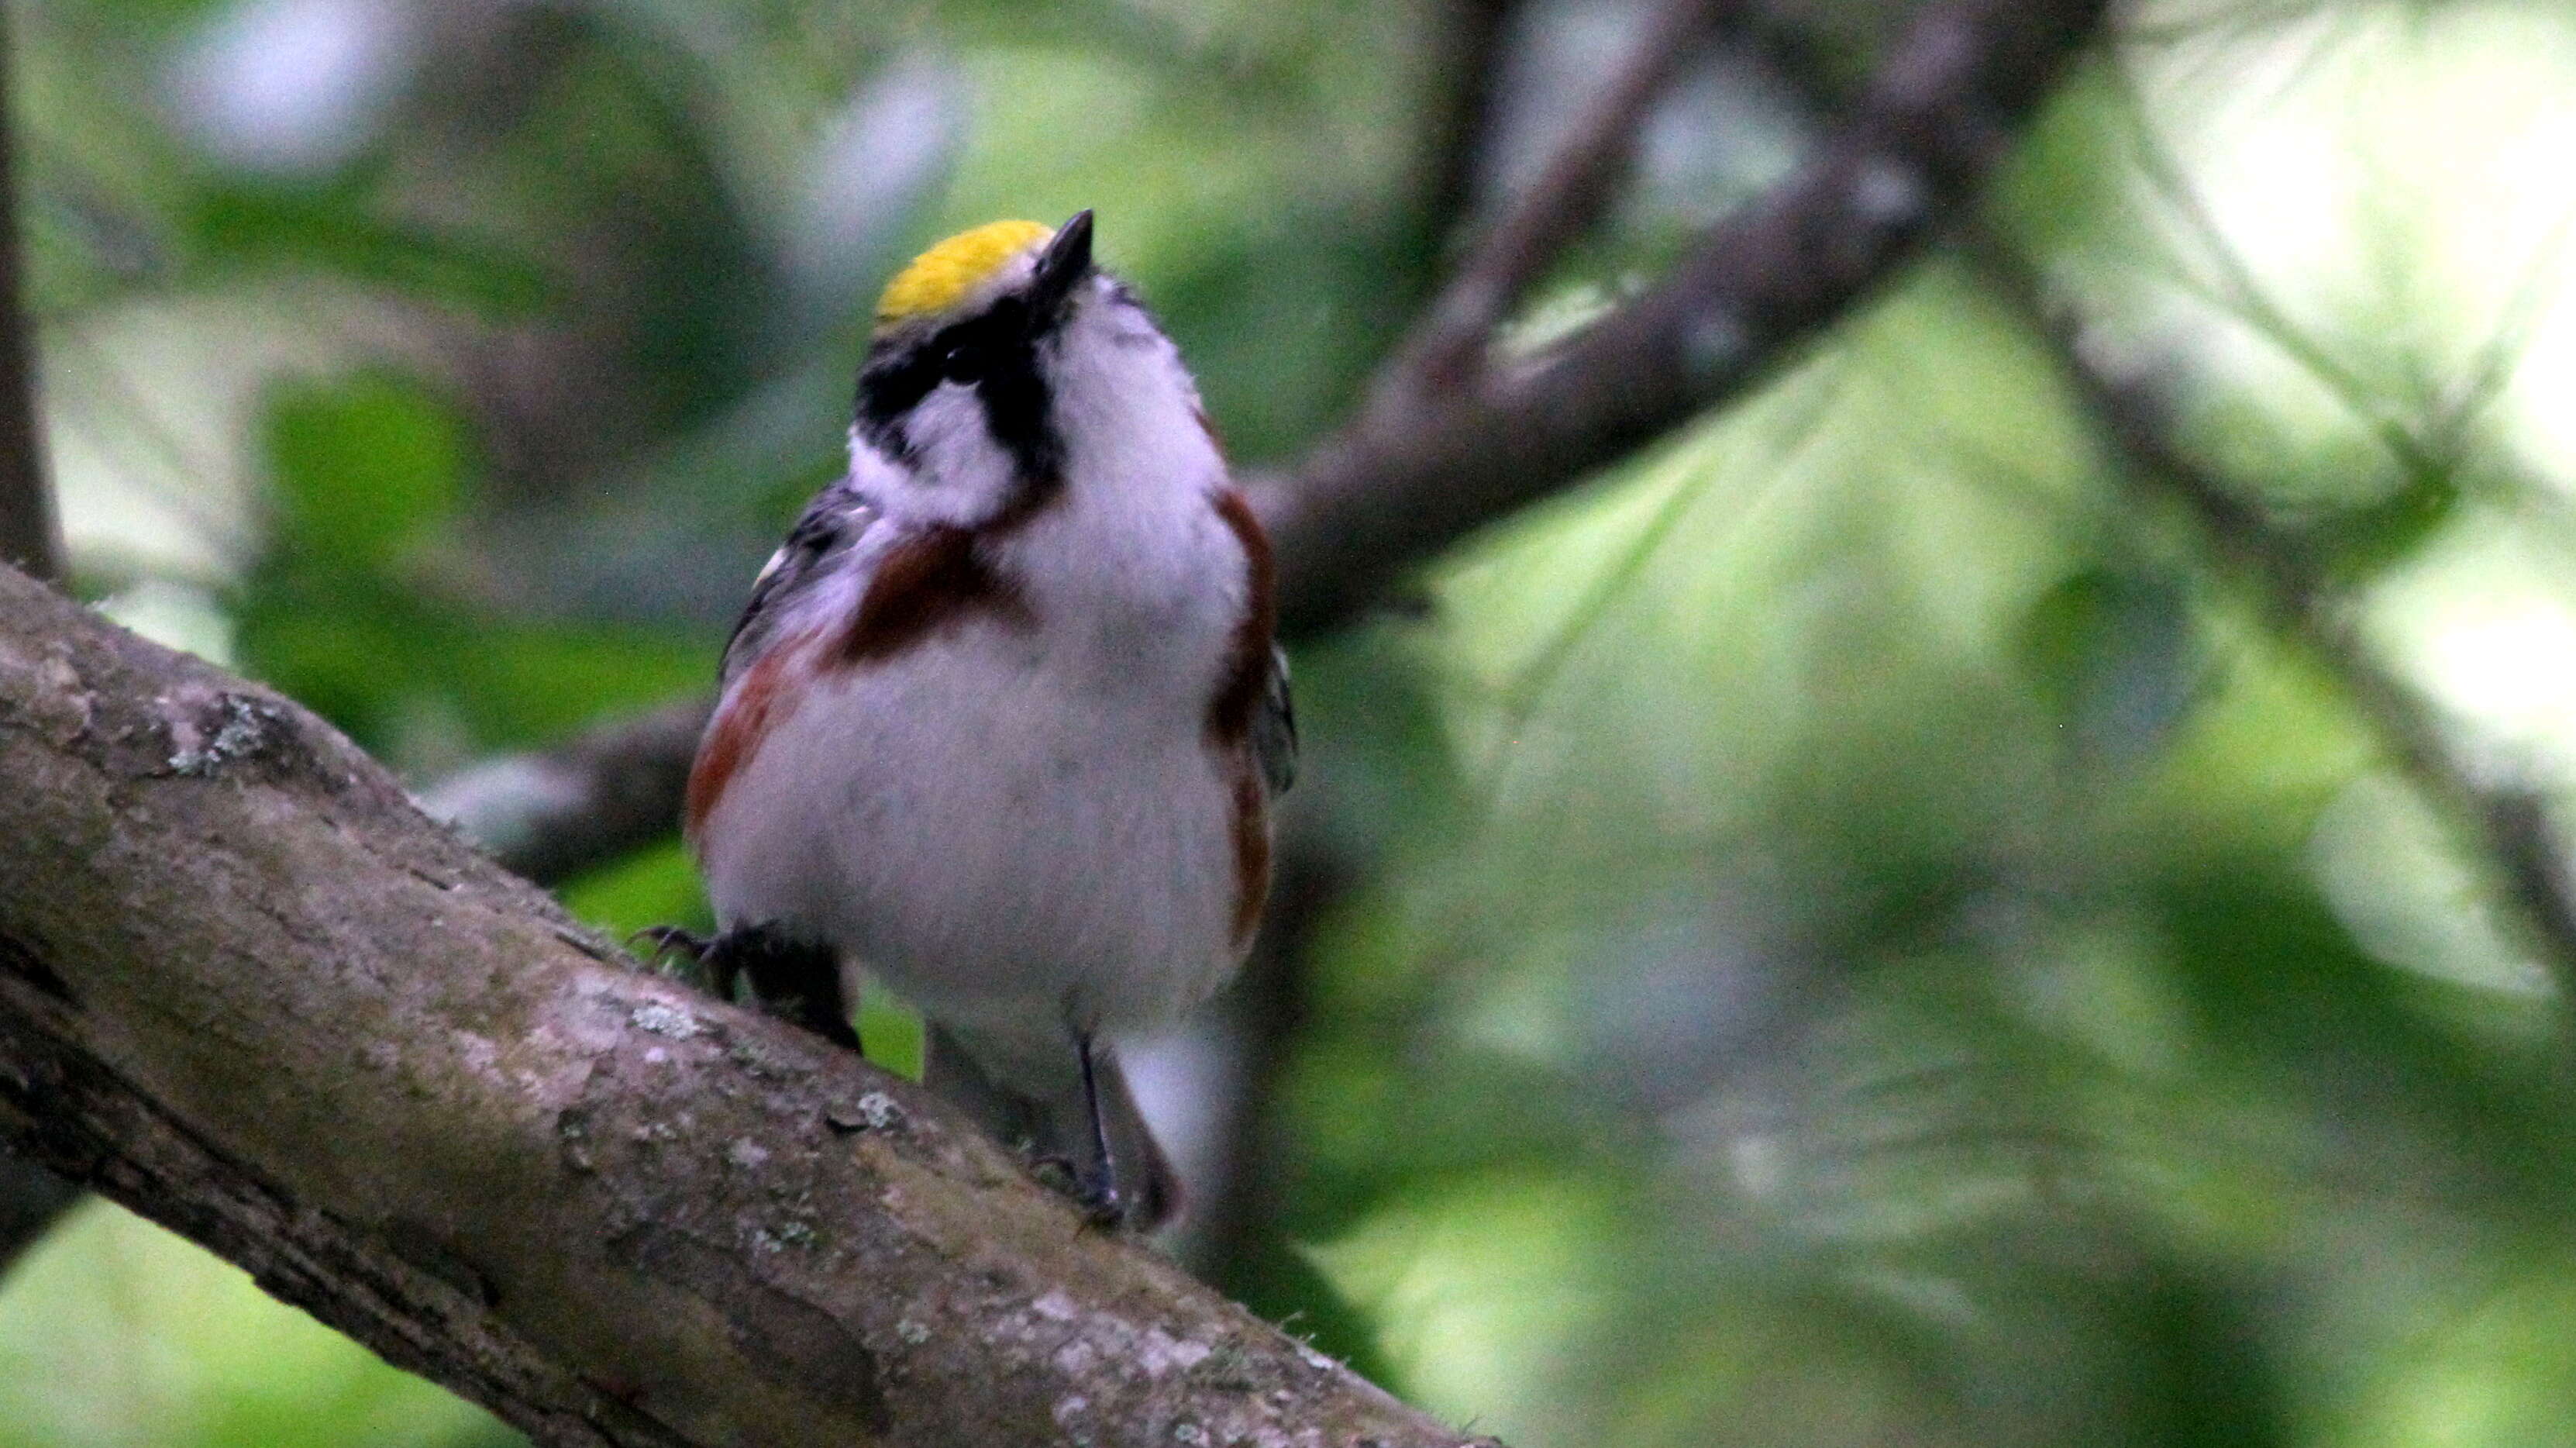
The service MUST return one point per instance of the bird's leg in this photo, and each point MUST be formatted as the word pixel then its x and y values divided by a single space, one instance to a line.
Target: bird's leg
pixel 795 980
pixel 1101 1200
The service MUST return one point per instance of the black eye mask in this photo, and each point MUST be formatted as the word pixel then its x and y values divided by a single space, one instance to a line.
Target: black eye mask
pixel 994 353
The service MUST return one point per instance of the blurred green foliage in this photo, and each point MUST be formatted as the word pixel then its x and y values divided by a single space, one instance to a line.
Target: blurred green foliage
pixel 1847 929
pixel 115 1332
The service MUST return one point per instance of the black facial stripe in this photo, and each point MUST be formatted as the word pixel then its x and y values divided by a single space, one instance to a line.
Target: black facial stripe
pixel 995 354
pixel 892 383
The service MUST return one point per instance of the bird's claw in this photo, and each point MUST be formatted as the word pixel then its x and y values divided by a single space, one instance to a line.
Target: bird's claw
pixel 671 940
pixel 1095 1192
pixel 687 956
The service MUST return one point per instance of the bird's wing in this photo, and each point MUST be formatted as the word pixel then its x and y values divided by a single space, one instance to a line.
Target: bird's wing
pixel 828 545
pixel 1274 727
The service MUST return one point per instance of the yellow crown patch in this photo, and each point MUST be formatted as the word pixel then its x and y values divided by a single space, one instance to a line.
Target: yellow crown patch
pixel 937 278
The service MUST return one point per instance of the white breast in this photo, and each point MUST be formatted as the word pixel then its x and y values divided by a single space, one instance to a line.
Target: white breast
pixel 993 838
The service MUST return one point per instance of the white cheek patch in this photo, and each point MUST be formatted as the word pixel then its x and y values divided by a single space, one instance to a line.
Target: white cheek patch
pixel 961 475
pixel 872 473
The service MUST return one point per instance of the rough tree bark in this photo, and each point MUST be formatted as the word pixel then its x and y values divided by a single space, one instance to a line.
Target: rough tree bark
pixel 248 990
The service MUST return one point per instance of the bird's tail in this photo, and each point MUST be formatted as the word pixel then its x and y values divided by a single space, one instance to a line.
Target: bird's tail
pixel 1035 1107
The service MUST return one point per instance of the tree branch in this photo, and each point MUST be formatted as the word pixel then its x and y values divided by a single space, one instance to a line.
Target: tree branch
pixel 552 814
pixel 1567 197
pixel 1468 40
pixel 32 1199
pixel 247 990
pixel 1429 459
pixel 2291 580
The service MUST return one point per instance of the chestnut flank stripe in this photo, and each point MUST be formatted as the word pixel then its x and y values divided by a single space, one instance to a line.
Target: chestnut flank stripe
pixel 1251 847
pixel 734 734
pixel 1247 663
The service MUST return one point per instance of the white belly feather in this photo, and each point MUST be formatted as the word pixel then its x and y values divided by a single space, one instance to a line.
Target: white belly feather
pixel 997 841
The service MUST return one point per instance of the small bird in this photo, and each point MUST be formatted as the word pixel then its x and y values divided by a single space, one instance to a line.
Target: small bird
pixel 1003 720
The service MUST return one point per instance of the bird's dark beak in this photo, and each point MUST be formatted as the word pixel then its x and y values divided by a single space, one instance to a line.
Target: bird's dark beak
pixel 1061 267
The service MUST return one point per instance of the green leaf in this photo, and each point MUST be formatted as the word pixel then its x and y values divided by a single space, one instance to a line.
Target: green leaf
pixel 329 228
pixel 2368 541
pixel 2112 653
pixel 365 467
pixel 114 1331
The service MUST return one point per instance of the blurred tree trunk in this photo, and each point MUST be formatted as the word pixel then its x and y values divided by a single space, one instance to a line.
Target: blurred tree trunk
pixel 30 539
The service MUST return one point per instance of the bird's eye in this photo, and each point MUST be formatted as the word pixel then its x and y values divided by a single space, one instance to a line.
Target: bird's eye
pixel 963 362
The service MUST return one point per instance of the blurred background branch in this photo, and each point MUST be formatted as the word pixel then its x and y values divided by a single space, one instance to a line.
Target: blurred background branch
pixel 553 814
pixel 1428 460
pixel 1567 198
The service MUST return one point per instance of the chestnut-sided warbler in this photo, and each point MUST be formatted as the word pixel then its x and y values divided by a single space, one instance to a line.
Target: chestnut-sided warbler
pixel 1003 719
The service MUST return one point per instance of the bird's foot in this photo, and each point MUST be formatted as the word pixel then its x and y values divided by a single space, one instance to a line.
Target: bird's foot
pixel 777 974
pixel 686 956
